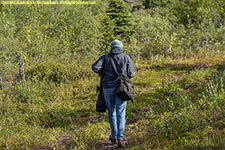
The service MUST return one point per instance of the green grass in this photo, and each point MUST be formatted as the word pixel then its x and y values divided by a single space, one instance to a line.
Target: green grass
pixel 179 105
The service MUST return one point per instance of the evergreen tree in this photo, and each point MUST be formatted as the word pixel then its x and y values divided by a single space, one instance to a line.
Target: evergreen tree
pixel 116 24
pixel 119 12
pixel 154 3
pixel 107 35
pixel 1 6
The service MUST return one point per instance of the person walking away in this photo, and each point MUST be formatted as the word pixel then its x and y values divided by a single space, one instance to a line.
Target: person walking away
pixel 115 106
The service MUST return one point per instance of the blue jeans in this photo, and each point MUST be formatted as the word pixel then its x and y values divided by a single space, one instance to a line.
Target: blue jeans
pixel 116 113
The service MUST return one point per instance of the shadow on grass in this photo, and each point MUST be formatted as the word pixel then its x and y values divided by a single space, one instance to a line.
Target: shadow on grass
pixel 204 147
pixel 154 102
pixel 142 84
pixel 142 105
pixel 64 115
pixel 186 67
pixel 157 99
pixel 60 118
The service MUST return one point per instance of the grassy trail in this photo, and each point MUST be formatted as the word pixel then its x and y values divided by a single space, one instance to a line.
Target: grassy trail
pixel 179 105
pixel 163 116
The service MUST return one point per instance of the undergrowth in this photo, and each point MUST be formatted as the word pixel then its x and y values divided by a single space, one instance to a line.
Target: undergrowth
pixel 178 105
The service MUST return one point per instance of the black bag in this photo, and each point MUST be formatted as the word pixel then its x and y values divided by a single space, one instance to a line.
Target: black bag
pixel 125 89
pixel 100 105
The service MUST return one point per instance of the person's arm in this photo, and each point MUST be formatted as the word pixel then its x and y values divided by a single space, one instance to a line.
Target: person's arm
pixel 130 68
pixel 98 65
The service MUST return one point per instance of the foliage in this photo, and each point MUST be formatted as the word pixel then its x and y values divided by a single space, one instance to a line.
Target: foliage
pixel 117 24
pixel 151 3
pixel 47 88
pixel 187 119
pixel 119 13
pixel 190 26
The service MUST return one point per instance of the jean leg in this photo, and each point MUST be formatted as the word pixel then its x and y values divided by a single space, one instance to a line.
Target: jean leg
pixel 121 113
pixel 110 104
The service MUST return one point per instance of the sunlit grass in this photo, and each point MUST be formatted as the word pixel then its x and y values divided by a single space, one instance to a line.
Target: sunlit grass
pixel 178 104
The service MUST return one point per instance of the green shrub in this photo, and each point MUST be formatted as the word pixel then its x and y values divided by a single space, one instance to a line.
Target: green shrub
pixel 213 95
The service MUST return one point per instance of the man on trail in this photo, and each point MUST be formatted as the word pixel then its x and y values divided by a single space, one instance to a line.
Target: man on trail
pixel 115 106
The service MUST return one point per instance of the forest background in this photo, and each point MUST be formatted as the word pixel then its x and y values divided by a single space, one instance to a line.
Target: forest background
pixel 47 87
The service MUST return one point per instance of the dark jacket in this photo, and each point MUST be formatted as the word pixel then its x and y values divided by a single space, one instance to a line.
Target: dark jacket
pixel 123 63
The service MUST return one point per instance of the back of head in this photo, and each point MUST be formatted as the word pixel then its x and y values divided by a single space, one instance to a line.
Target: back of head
pixel 117 44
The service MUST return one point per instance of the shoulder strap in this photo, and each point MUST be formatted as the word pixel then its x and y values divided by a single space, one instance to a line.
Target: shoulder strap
pixel 113 64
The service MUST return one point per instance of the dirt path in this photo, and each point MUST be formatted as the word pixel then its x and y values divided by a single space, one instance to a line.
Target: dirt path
pixel 64 143
pixel 105 145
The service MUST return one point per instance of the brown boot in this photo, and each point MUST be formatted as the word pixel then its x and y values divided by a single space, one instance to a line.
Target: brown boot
pixel 121 143
pixel 112 139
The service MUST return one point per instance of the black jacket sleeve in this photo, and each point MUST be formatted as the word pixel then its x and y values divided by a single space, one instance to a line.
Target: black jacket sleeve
pixel 98 65
pixel 130 68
